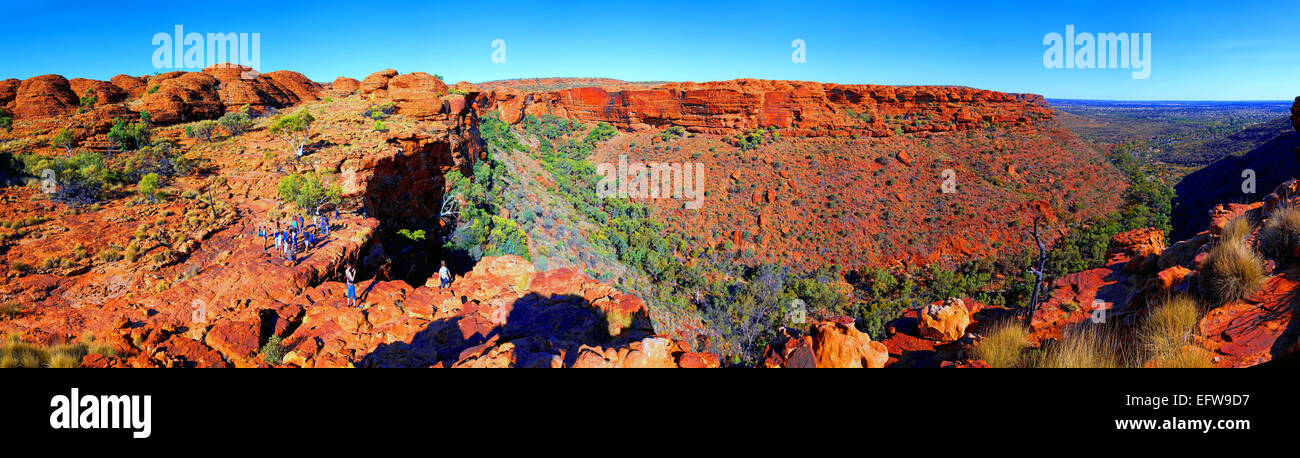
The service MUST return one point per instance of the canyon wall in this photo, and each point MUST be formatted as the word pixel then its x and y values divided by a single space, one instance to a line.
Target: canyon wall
pixel 794 108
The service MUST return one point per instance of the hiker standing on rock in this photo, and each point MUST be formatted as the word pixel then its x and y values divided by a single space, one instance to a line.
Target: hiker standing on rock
pixel 444 275
pixel 349 275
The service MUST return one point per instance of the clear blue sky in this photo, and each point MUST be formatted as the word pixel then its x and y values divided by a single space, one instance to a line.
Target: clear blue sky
pixel 1201 50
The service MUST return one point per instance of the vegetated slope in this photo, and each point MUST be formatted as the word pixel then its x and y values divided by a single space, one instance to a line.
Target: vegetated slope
pixel 809 202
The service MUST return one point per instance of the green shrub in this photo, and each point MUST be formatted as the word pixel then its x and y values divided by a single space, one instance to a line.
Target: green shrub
pixel 148 186
pixel 308 192
pixel 128 136
pixel 202 130
pixel 272 351
pixel 64 139
pixel 89 98
pixel 237 122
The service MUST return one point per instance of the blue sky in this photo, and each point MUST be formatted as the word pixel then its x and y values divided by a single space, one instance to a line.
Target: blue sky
pixel 1201 50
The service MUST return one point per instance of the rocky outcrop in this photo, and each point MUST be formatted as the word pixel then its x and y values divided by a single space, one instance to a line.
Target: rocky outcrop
pixel 8 92
pixel 133 85
pixel 417 94
pixel 277 89
pixel 834 343
pixel 345 86
pixel 184 97
pixel 44 96
pixel 105 92
pixel 795 108
pixel 945 321
pixel 501 314
pixel 403 182
pixel 376 84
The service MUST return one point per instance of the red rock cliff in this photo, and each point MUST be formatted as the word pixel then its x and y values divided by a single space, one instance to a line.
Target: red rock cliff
pixel 796 108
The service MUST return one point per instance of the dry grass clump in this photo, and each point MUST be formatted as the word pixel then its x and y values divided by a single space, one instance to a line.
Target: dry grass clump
pixel 14 353
pixel 1003 344
pixel 1187 357
pixel 1280 236
pixel 1237 229
pixel 1168 326
pixel 1081 347
pixel 1233 271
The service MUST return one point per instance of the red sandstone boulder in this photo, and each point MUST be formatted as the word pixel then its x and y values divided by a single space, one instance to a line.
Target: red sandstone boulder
pixel 133 85
pixel 944 321
pixel 1171 277
pixel 44 96
pixel 1140 247
pixel 417 94
pixel 184 97
pixel 837 343
pixel 237 339
pixel 345 85
pixel 377 83
pixel 105 92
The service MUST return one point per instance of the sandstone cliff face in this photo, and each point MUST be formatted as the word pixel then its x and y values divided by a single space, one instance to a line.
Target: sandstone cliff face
pixel 795 108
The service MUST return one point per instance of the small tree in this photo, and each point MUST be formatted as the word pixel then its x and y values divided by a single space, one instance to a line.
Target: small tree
pixel 308 192
pixel 294 129
pixel 237 122
pixel 6 121
pixel 201 130
pixel 64 139
pixel 129 135
pixel 1037 271
pixel 88 100
pixel 148 186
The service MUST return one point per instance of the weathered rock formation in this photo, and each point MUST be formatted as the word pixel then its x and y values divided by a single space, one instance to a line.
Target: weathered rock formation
pixel 795 108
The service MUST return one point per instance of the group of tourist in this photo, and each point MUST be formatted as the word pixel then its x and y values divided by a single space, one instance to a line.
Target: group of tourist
pixel 297 237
